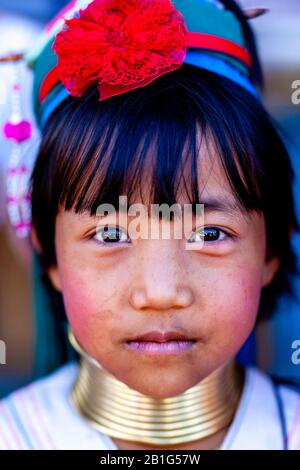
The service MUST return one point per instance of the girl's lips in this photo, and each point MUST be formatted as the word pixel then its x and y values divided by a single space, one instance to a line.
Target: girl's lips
pixel 165 347
pixel 158 336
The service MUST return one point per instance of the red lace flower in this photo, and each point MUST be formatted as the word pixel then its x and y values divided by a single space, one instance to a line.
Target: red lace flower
pixel 120 44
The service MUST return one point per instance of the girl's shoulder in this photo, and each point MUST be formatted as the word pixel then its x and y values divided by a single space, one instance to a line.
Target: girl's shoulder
pixel 41 416
pixel 289 398
pixel 268 415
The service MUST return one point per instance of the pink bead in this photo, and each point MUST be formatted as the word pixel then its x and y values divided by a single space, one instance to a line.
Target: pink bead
pixel 19 131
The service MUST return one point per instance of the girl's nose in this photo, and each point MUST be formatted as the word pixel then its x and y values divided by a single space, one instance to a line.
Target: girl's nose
pixel 161 284
pixel 161 299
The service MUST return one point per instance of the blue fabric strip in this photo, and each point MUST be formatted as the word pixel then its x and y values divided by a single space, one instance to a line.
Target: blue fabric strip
pixel 53 104
pixel 221 67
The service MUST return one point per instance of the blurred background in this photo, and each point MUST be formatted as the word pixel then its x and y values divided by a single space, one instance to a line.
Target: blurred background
pixel 278 37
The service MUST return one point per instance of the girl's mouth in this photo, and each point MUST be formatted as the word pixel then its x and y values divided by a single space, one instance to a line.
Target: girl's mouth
pixel 165 347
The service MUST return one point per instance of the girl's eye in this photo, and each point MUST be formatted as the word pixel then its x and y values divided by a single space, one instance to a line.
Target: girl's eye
pixel 110 235
pixel 115 235
pixel 209 235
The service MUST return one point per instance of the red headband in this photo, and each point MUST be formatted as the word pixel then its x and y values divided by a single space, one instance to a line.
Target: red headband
pixel 91 48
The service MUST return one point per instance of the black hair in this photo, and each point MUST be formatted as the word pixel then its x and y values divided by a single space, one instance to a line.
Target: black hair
pixel 92 152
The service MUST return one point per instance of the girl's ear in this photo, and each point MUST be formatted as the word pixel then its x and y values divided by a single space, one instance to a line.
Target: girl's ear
pixel 34 240
pixel 270 269
pixel 53 271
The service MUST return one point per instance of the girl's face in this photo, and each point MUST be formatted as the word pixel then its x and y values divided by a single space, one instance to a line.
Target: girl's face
pixel 116 291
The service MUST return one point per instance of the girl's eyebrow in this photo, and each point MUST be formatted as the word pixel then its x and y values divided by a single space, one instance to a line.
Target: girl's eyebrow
pixel 222 204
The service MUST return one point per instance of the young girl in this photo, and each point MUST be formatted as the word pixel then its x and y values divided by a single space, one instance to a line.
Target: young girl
pixel 156 102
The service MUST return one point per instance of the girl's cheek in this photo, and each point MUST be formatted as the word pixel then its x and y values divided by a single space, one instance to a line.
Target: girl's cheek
pixel 82 299
pixel 245 304
pixel 88 316
pixel 235 309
